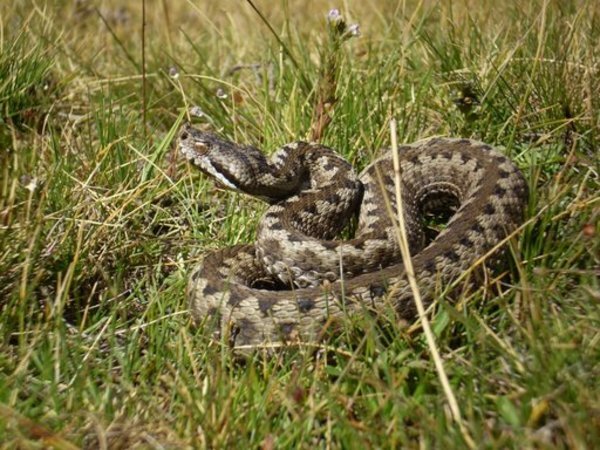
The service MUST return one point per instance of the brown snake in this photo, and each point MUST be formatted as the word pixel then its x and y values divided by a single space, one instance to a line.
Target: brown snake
pixel 296 277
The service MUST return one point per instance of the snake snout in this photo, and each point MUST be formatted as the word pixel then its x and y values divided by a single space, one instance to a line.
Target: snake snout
pixel 187 132
pixel 184 134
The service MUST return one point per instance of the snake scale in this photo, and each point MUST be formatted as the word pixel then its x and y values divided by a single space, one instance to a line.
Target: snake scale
pixel 297 276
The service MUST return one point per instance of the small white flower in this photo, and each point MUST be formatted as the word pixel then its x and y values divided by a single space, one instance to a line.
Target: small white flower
pixel 354 30
pixel 174 73
pixel 196 111
pixel 334 15
pixel 221 93
pixel 30 183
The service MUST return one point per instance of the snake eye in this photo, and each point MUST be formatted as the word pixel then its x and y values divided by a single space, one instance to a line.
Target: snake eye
pixel 183 136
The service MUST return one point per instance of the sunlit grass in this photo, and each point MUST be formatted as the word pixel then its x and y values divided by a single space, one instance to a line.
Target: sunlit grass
pixel 100 221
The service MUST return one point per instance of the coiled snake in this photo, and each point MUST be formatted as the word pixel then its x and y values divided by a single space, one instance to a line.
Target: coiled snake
pixel 297 276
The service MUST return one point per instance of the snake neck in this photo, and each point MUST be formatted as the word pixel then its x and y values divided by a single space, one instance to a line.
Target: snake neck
pixel 294 168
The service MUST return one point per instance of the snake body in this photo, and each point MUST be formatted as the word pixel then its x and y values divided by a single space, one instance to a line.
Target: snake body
pixel 297 277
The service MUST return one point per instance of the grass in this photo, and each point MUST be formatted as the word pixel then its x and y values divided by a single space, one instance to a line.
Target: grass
pixel 100 220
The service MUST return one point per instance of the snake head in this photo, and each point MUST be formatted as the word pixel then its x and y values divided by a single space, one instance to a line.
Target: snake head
pixel 242 168
pixel 209 153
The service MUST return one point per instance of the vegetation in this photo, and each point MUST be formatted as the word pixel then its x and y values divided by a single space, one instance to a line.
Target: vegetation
pixel 101 220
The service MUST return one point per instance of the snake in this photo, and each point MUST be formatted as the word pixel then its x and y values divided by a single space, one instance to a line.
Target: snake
pixel 299 276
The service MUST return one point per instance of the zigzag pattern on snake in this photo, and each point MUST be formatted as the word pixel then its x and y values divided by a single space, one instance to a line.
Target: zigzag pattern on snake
pixel 297 276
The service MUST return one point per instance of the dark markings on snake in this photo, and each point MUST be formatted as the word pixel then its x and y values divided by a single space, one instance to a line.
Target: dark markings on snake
pixel 295 237
pixel 329 165
pixel 196 275
pixel 522 192
pixel 446 155
pixel 489 209
pixel 503 173
pixel 233 334
pixel 360 244
pixel 477 228
pixel 244 331
pixel 277 226
pixel 234 297
pixel 500 229
pixel 209 289
pixel 466 242
pixel 451 255
pixel 287 328
pixel 265 305
pixel 333 198
pixel 245 158
pixel 223 171
pixel 309 255
pixel 329 245
pixel 311 209
pixel 377 290
pixel 465 142
pixel 305 304
pixel 499 191
pixel 430 266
